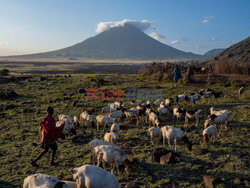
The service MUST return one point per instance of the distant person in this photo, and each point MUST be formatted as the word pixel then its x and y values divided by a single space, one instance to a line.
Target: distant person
pixel 50 134
pixel 190 73
pixel 177 74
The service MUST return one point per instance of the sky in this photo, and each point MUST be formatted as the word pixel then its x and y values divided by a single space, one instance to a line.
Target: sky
pixel 31 26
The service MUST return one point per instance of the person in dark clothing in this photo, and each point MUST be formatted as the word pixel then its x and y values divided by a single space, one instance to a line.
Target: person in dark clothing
pixel 177 74
pixel 50 134
pixel 190 73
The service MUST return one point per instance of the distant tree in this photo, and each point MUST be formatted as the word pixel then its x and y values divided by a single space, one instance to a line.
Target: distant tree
pixel 4 72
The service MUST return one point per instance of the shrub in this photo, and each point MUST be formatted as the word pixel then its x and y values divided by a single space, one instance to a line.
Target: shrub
pixel 4 72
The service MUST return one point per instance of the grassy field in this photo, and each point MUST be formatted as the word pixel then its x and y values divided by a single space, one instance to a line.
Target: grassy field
pixel 227 158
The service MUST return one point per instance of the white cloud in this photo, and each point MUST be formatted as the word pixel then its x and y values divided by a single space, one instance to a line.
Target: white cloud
pixel 207 18
pixel 142 25
pixel 175 42
pixel 157 36
pixel 214 39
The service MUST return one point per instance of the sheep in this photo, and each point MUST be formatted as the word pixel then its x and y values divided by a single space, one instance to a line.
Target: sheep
pixel 206 95
pixel 169 102
pixel 153 119
pixel 105 109
pixel 163 111
pixel 115 128
pixel 65 118
pixel 42 181
pixel 172 133
pixel 90 176
pixel 130 114
pixel 155 134
pixel 181 98
pixel 193 97
pixel 110 137
pixel 86 119
pixel 76 121
pixel 104 120
pixel 192 115
pixel 114 107
pixel 136 103
pixel 157 103
pixel 67 127
pixel 117 115
pixel 112 154
pixel 210 131
pixel 177 112
pixel 221 116
pixel 94 143
pixel 209 121
pixel 242 92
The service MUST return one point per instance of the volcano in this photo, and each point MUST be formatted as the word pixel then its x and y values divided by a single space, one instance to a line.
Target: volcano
pixel 124 42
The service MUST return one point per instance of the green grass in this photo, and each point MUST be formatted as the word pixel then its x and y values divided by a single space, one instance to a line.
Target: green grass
pixel 228 157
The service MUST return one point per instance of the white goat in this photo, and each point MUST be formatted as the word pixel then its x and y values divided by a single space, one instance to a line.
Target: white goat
pixel 111 137
pixel 155 134
pixel 208 132
pixel 178 113
pixel 115 128
pixel 86 119
pixel 172 133
pixel 94 177
pixel 111 154
pixel 45 181
pixel 153 119
pixel 192 115
pixel 104 121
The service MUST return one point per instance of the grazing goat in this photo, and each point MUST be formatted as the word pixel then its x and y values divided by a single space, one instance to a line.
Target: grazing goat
pixel 178 113
pixel 114 107
pixel 44 181
pixel 218 94
pixel 115 128
pixel 157 103
pixel 163 111
pixel 192 115
pixel 206 95
pixel 117 115
pixel 209 121
pixel 221 116
pixel 105 109
pixel 130 114
pixel 169 102
pixel 94 177
pixel 76 121
pixel 172 133
pixel 86 119
pixel 153 119
pixel 181 98
pixel 193 97
pixel 242 92
pixel 210 131
pixel 111 137
pixel 136 103
pixel 104 121
pixel 67 127
pixel 155 134
pixel 112 154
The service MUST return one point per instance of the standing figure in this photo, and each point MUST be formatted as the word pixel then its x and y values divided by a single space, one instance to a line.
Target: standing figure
pixel 50 134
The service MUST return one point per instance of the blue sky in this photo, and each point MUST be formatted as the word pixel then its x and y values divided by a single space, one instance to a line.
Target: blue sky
pixel 29 26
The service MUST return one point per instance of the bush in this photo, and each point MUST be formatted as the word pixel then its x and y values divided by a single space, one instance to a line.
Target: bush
pixel 4 72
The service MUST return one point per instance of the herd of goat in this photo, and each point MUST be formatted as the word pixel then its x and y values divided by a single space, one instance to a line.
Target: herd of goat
pixel 155 114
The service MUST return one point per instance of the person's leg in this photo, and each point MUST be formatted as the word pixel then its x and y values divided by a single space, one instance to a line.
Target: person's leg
pixel 46 149
pixel 54 148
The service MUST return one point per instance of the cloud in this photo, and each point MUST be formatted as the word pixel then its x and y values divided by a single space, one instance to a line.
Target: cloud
pixel 214 39
pixel 157 36
pixel 175 42
pixel 207 18
pixel 142 25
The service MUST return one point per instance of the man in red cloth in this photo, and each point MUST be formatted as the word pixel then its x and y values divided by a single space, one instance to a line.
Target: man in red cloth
pixel 50 134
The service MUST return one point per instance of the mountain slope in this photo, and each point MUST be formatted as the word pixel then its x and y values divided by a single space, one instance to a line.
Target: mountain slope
pixel 237 53
pixel 125 42
pixel 213 52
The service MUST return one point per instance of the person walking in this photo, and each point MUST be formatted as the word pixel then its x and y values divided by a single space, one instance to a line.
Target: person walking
pixel 177 74
pixel 190 73
pixel 50 135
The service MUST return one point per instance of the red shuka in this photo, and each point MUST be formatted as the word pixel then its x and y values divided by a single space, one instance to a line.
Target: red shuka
pixel 50 133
